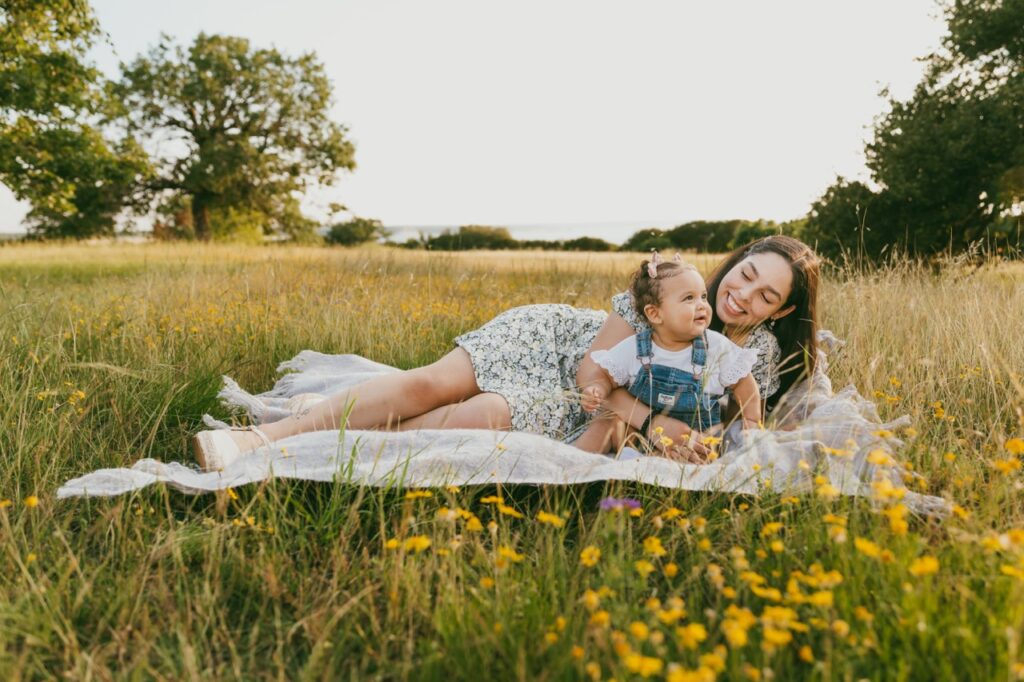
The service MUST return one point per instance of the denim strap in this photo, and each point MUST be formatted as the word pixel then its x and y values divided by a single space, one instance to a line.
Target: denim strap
pixel 700 351
pixel 644 348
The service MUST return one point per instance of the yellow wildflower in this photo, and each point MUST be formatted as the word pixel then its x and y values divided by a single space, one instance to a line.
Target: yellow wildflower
pixel 1015 446
pixel 897 518
pixel 862 614
pixel 653 546
pixel 639 630
pixel 1006 466
pixel 644 666
pixel 825 490
pixel 32 501
pixel 418 494
pixel 492 499
pixel 772 638
pixel 590 556
pixel 591 600
pixel 416 543
pixel 510 554
pixel 1014 571
pixel 805 654
pixel 550 519
pixel 643 567
pixel 690 636
pixel 883 489
pixel 880 457
pixel 600 619
pixel 577 652
pixel 509 511
pixel 474 525
pixel 867 548
pixel 840 627
pixel 820 598
pixel 670 570
pixel 771 529
pixel 487 582
pixel 925 565
pixel 672 615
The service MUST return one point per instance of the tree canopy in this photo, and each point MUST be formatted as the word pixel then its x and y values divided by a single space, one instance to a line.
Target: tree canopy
pixel 237 127
pixel 948 163
pixel 52 152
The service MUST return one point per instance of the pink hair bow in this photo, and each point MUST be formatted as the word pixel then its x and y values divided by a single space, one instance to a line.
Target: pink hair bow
pixel 652 267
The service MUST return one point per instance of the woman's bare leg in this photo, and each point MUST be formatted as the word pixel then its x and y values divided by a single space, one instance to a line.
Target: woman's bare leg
pixel 381 401
pixel 482 411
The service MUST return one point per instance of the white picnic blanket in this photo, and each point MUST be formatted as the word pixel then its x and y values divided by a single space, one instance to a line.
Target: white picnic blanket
pixel 828 434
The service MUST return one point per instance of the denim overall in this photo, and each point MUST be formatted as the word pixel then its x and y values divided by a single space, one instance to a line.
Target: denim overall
pixel 675 392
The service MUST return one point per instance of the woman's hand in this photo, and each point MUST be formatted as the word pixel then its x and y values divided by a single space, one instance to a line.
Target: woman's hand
pixel 677 437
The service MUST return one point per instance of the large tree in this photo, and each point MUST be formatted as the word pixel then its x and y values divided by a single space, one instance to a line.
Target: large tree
pixel 237 127
pixel 52 152
pixel 948 163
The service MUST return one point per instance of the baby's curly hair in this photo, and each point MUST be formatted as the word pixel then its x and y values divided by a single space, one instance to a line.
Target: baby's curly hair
pixel 646 290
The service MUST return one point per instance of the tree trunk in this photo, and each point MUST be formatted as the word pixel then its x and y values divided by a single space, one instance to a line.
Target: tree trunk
pixel 201 217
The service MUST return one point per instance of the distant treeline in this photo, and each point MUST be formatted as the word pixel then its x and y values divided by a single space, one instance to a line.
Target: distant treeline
pixel 701 235
pixel 946 164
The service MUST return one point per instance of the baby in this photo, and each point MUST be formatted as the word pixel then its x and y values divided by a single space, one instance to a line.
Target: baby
pixel 679 367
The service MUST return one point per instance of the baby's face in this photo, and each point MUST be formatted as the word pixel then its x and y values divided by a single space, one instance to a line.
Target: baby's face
pixel 684 310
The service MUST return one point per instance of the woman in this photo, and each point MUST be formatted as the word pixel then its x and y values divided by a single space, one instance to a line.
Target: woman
pixel 515 371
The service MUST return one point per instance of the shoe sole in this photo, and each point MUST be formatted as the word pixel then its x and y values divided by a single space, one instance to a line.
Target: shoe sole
pixel 199 452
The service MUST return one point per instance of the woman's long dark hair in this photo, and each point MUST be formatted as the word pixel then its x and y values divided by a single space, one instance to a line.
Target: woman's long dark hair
pixel 797 332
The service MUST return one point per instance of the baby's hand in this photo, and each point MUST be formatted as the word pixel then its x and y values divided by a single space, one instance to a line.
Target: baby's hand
pixel 592 398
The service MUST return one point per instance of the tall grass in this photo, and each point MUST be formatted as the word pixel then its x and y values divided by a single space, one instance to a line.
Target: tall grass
pixel 112 354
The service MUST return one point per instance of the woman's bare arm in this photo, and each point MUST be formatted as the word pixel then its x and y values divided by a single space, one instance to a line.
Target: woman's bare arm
pixel 613 330
pixel 748 399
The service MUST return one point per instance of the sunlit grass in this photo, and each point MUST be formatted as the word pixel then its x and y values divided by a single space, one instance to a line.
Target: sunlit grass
pixel 112 354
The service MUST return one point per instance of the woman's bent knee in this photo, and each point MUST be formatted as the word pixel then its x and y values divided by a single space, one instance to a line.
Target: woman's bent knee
pixel 449 380
pixel 495 410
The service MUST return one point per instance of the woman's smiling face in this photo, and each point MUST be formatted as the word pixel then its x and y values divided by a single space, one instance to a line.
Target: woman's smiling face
pixel 755 289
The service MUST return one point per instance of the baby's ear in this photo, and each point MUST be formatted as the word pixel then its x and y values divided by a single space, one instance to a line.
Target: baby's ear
pixel 653 313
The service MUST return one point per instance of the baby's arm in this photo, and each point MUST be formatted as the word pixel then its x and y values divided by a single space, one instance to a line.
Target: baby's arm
pixel 748 397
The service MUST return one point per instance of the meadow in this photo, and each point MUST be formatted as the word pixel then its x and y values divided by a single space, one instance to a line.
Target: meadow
pixel 113 353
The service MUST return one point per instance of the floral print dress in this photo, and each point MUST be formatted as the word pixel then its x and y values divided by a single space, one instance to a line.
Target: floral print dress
pixel 530 355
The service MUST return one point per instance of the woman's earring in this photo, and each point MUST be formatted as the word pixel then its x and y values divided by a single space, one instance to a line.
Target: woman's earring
pixel 771 324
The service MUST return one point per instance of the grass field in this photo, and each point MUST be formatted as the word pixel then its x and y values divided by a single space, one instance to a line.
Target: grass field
pixel 110 354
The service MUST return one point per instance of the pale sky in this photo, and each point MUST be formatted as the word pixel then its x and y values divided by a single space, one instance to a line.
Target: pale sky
pixel 556 111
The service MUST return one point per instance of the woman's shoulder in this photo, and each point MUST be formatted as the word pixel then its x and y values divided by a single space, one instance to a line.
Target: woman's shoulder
pixel 622 305
pixel 761 339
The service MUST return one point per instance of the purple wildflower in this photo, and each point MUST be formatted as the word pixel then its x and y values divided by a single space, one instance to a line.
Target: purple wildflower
pixel 619 504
